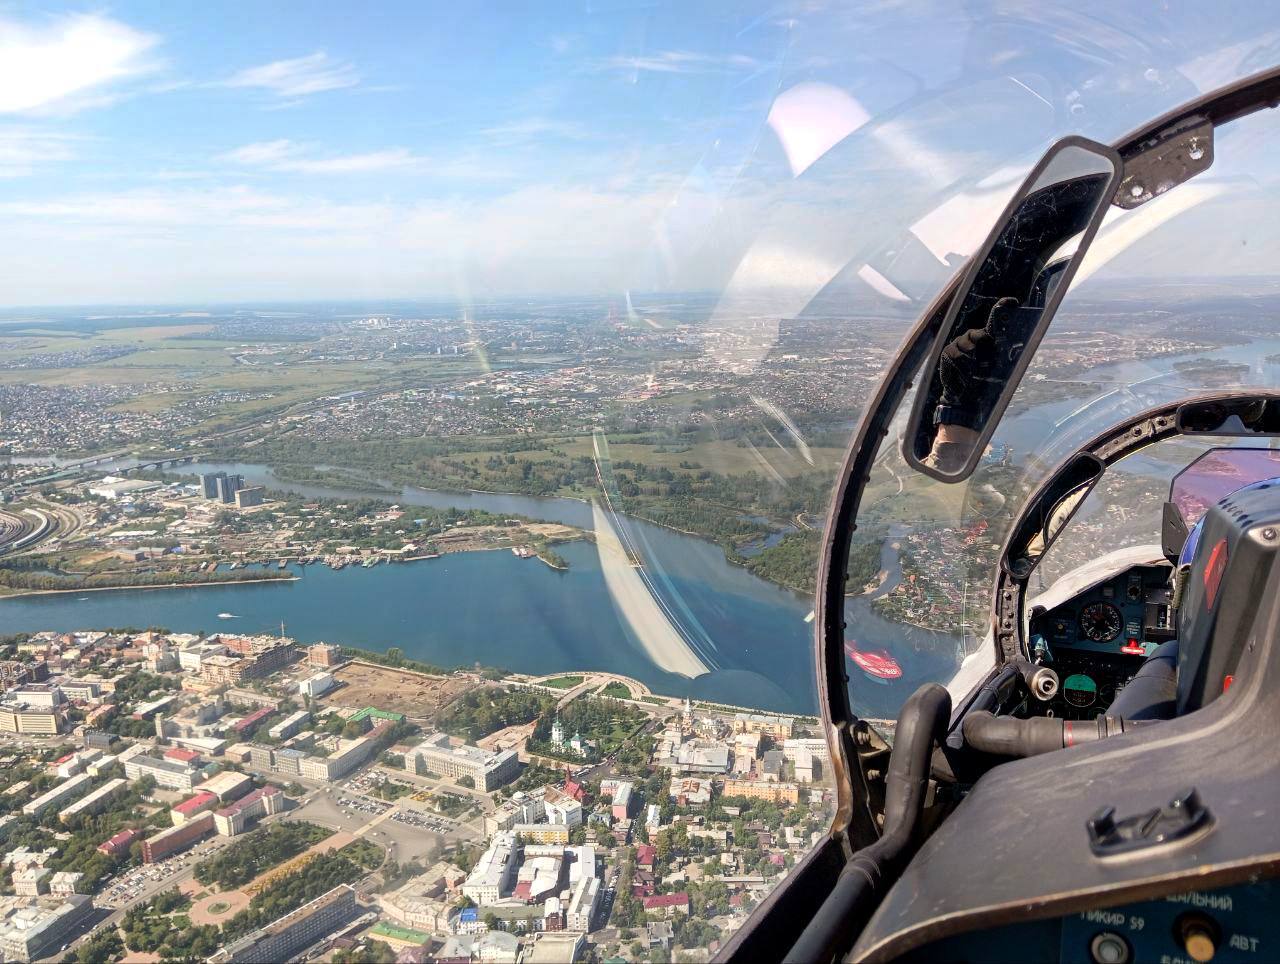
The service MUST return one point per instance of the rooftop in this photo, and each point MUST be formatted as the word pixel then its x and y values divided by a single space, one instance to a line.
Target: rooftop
pixel 666 900
pixel 440 744
pixel 194 804
pixel 385 929
pixel 248 800
pixel 157 763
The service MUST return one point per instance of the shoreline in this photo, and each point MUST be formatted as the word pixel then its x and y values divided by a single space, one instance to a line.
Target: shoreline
pixel 582 500
pixel 162 585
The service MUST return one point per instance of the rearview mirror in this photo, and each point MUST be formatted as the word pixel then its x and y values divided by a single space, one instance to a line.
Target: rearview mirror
pixel 1004 304
pixel 1246 416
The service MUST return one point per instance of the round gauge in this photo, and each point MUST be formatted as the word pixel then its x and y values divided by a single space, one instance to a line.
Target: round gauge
pixel 1079 690
pixel 1101 622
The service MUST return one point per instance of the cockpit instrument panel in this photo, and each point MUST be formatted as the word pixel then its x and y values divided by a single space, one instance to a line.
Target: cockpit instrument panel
pixel 1097 640
pixel 1128 615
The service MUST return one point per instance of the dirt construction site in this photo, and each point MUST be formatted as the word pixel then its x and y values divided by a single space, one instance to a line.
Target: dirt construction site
pixel 416 695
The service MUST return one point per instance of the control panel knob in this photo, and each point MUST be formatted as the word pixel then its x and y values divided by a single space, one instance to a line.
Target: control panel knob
pixel 1199 937
pixel 1108 947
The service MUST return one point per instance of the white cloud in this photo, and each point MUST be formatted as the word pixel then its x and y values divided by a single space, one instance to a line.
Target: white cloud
pixel 227 243
pixel 298 77
pixel 52 65
pixel 678 62
pixel 23 151
pixel 533 127
pixel 262 153
pixel 287 156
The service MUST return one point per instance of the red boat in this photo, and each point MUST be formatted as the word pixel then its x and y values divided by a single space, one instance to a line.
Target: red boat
pixel 876 663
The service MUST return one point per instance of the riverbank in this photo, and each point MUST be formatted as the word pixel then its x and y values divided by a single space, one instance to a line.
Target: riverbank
pixel 493 609
pixel 570 509
pixel 265 578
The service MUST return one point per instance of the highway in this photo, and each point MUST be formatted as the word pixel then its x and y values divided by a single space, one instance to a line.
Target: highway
pixel 37 525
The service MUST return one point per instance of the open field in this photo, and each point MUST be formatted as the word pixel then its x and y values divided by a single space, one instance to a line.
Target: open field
pixel 722 456
pixel 400 691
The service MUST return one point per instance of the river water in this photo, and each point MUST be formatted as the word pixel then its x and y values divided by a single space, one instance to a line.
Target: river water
pixel 495 609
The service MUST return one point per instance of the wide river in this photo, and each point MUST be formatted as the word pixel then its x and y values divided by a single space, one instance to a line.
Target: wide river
pixel 495 609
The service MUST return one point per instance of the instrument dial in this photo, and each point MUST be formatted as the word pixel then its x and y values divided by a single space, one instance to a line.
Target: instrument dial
pixel 1101 622
pixel 1080 690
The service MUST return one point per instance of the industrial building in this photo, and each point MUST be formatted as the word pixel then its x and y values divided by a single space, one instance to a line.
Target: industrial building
pixel 114 487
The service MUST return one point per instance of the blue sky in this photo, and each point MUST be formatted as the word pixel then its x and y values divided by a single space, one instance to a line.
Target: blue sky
pixel 228 151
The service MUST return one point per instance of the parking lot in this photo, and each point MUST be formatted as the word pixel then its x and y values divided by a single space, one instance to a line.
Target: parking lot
pixel 353 804
pixel 407 831
pixel 139 881
pixel 428 821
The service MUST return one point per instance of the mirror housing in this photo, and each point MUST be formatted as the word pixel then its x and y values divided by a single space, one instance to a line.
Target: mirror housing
pixel 1055 505
pixel 1005 301
pixel 1245 417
